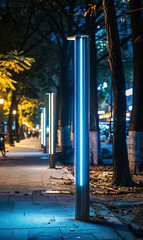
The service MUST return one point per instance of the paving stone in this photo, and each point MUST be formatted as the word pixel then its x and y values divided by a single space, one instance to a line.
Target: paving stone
pixel 99 231
pixel 39 214
pixel 4 198
pixel 120 228
pixel 20 234
pixel 76 236
pixel 51 234
pixel 27 204
pixel 26 222
pixel 6 234
pixel 6 206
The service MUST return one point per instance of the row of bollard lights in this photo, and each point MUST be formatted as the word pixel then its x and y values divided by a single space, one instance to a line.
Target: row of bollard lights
pixel 81 126
pixel 52 128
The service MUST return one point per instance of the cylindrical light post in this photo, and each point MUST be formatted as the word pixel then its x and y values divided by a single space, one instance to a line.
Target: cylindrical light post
pixel 44 130
pixel 81 125
pixel 52 128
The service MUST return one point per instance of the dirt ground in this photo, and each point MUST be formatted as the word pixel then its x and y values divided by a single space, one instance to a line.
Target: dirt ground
pixel 125 202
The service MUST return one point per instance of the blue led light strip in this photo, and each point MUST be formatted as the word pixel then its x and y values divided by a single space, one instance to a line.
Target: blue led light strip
pixel 52 124
pixel 81 114
pixel 44 128
pixel 49 124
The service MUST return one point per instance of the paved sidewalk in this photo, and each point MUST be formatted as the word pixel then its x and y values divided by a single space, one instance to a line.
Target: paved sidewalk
pixel 26 168
pixel 37 202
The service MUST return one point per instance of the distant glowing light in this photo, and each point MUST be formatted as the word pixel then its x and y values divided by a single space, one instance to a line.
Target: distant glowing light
pixel 25 123
pixel 105 115
pixel 14 112
pixel 105 85
pixel 127 119
pixel 130 108
pixel 108 115
pixel 1 101
pixel 71 38
pixel 98 26
pixel 101 112
pixel 102 86
pixel 129 92
pixel 127 114
pixel 123 19
pixel 99 88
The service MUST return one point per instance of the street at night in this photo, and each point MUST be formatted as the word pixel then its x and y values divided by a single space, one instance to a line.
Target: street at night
pixel 71 119
pixel 37 202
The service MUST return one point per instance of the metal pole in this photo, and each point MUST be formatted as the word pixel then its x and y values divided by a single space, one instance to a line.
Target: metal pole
pixel 81 125
pixel 41 129
pixel 52 128
pixel 44 130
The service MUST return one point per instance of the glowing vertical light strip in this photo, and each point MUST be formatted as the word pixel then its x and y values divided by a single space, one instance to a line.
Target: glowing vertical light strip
pixel 52 125
pixel 49 124
pixel 81 114
pixel 75 109
pixel 44 128
pixel 41 128
pixel 81 125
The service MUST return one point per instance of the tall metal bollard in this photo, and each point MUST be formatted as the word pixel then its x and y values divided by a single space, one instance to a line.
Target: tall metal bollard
pixel 52 128
pixel 44 130
pixel 81 125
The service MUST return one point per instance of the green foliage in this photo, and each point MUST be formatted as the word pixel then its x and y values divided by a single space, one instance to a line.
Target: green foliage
pixel 29 108
pixel 9 64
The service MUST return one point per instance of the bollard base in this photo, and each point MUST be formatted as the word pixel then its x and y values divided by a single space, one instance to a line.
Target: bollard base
pixel 45 149
pixel 52 160
pixel 82 203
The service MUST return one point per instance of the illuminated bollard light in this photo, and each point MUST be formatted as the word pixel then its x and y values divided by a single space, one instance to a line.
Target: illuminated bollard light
pixel 44 130
pixel 81 125
pixel 52 128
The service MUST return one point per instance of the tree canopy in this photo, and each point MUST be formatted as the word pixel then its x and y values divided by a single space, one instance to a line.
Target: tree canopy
pixel 9 64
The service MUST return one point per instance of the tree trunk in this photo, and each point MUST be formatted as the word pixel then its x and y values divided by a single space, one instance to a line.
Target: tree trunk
pixel 94 135
pixel 64 98
pixel 21 134
pixel 121 172
pixel 135 146
pixel 9 128
pixel 10 119
pixel 17 124
pixel 14 106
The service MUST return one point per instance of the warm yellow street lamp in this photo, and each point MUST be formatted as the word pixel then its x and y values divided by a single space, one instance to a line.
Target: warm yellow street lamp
pixel 1 101
pixel 14 112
